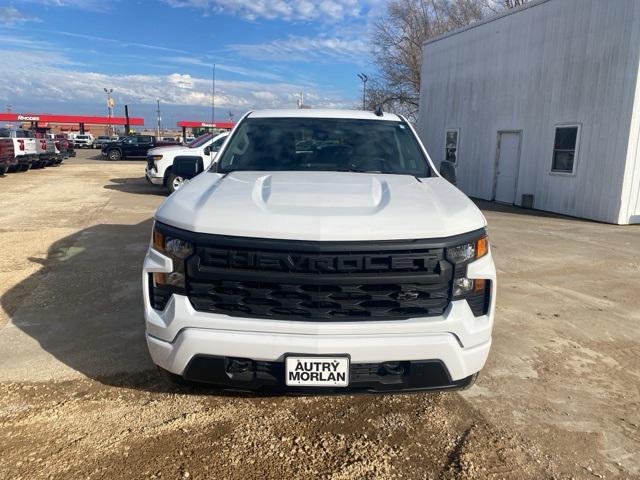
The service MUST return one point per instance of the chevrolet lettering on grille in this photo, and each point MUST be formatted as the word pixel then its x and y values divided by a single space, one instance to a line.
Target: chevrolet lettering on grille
pixel 235 259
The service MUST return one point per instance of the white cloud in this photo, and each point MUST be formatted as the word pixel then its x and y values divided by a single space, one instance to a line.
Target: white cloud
pixel 95 5
pixel 181 81
pixel 39 76
pixel 247 72
pixel 290 10
pixel 307 49
pixel 113 41
pixel 12 16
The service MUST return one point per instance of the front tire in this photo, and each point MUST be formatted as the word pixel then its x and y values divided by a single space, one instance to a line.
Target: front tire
pixel 114 155
pixel 174 182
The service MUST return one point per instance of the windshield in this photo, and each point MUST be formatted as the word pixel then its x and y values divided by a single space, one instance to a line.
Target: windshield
pixel 324 144
pixel 201 140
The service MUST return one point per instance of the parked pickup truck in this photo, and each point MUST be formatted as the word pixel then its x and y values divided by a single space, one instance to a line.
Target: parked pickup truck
pixel 83 141
pixel 46 149
pixel 321 252
pixel 24 147
pixel 160 160
pixel 64 145
pixel 101 141
pixel 7 155
pixel 133 146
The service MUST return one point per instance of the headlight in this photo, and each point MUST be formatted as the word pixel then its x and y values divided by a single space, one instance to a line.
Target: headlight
pixel 477 292
pixel 468 251
pixel 155 158
pixel 164 284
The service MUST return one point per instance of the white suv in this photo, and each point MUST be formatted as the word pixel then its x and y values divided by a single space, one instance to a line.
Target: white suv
pixel 322 252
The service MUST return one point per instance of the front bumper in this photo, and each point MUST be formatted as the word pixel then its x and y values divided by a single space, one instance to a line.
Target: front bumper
pixel 179 335
pixel 152 177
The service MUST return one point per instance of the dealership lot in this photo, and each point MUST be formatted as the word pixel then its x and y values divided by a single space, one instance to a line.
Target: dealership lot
pixel 79 397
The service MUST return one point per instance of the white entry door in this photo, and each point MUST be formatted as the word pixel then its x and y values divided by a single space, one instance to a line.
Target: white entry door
pixel 508 161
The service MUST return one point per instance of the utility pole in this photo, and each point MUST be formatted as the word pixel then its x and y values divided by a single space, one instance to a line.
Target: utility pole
pixel 301 100
pixel 364 79
pixel 127 127
pixel 9 108
pixel 159 119
pixel 213 97
pixel 230 113
pixel 110 105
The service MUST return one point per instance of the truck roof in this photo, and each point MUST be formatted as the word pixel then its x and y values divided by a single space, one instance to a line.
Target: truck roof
pixel 323 113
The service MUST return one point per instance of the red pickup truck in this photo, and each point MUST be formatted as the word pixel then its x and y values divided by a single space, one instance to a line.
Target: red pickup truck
pixel 7 155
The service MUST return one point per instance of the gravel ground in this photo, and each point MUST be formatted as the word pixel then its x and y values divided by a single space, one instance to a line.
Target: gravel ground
pixel 79 397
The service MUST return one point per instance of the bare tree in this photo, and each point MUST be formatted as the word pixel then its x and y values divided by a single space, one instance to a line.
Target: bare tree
pixel 513 3
pixel 397 45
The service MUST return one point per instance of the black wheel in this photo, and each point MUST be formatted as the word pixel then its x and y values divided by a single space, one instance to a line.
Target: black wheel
pixel 114 155
pixel 25 167
pixel 174 182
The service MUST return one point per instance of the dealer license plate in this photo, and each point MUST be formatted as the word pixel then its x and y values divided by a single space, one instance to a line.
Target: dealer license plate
pixel 302 371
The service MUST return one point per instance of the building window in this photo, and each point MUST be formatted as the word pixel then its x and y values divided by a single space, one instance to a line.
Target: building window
pixel 451 146
pixel 565 146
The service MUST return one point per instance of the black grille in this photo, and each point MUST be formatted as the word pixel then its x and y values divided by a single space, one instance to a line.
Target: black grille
pixel 150 163
pixel 333 282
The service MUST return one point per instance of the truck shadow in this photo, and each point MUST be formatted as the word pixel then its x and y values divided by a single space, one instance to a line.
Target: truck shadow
pixel 136 185
pixel 84 307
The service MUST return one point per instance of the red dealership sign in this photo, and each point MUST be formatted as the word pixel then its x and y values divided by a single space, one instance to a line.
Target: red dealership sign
pixel 30 117
pixel 227 125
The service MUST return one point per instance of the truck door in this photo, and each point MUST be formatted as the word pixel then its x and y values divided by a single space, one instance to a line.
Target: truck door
pixel 145 142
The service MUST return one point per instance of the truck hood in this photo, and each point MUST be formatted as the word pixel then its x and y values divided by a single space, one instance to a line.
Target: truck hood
pixel 169 149
pixel 321 206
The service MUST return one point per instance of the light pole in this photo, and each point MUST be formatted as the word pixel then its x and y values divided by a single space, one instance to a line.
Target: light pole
pixel 159 118
pixel 110 104
pixel 364 79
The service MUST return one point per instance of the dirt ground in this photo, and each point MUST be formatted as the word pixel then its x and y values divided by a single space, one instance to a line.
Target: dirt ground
pixel 79 397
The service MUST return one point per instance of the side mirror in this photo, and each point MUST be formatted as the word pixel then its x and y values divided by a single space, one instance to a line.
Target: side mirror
pixel 207 150
pixel 448 172
pixel 187 167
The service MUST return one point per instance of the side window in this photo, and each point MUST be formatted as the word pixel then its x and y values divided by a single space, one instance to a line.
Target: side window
pixel 215 146
pixel 132 141
pixel 144 139
pixel 451 145
pixel 565 146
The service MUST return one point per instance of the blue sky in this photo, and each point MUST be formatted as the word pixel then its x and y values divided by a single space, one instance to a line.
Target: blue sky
pixel 57 55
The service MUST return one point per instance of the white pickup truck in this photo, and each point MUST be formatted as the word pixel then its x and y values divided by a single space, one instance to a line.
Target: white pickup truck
pixel 160 159
pixel 24 147
pixel 82 140
pixel 321 252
